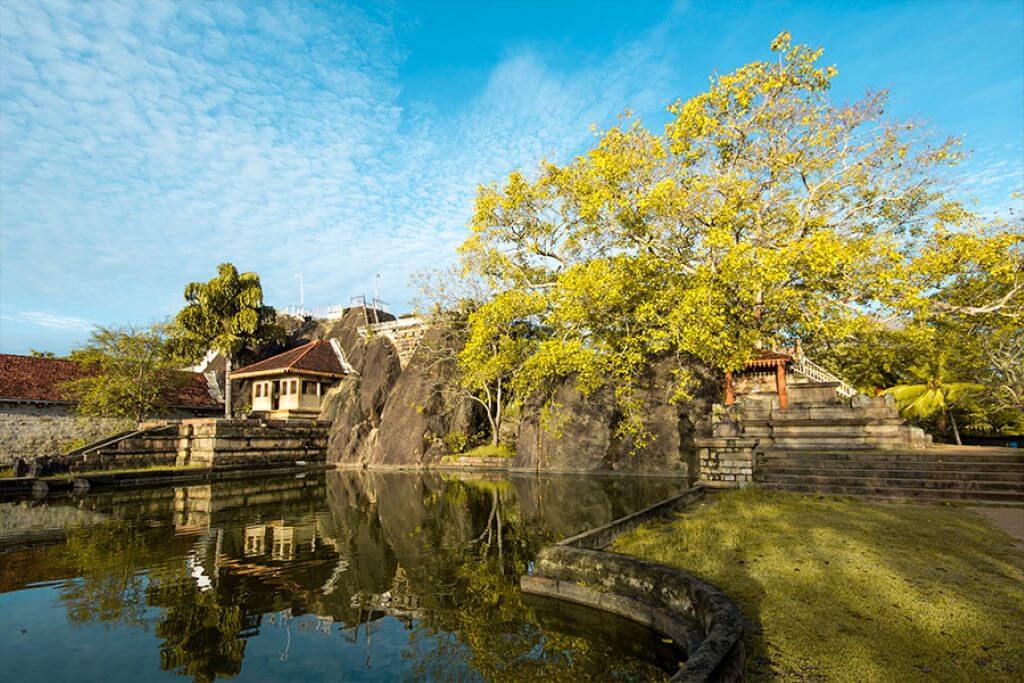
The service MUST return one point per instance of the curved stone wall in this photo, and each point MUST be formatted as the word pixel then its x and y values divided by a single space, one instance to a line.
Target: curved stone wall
pixel 699 618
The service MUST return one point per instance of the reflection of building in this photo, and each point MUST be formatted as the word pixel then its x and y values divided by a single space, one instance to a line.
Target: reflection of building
pixel 284 540
pixel 398 602
pixel 292 384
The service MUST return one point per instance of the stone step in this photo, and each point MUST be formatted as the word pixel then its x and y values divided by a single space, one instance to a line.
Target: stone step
pixel 824 441
pixel 890 482
pixel 903 494
pixel 887 472
pixel 813 455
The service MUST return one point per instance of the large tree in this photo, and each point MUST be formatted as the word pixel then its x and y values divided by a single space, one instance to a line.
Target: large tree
pixel 225 314
pixel 764 212
pixel 128 373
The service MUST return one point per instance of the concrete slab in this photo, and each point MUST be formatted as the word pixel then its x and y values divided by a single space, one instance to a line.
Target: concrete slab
pixel 1009 519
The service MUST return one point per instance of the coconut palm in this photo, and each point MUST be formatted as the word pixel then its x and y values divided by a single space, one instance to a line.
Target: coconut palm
pixel 225 314
pixel 934 394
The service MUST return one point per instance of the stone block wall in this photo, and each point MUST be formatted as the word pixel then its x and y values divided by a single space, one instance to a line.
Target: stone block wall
pixel 28 430
pixel 158 449
pixel 233 443
pixel 726 462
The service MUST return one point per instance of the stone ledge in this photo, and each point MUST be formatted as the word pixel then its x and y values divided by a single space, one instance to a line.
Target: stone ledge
pixel 699 618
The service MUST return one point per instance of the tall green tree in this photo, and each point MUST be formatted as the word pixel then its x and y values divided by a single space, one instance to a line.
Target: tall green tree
pixel 765 211
pixel 225 314
pixel 129 373
pixel 931 391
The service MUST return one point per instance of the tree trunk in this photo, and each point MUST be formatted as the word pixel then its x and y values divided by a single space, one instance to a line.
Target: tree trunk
pixel 956 432
pixel 227 387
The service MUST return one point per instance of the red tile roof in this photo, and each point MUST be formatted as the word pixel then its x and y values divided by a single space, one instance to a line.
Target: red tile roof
pixel 315 358
pixel 768 359
pixel 28 378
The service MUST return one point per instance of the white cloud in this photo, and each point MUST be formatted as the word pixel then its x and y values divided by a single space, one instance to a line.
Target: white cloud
pixel 144 143
pixel 51 320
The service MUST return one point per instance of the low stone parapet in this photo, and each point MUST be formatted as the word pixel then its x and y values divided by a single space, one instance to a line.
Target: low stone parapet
pixel 698 618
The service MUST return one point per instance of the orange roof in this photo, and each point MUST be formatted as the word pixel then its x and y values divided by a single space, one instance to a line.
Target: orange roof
pixel 36 379
pixel 315 358
pixel 768 359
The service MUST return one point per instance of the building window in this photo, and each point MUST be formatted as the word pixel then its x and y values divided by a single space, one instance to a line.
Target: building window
pixel 295 387
pixel 309 388
pixel 259 390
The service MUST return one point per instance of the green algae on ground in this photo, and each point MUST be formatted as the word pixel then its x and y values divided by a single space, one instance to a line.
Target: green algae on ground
pixel 839 589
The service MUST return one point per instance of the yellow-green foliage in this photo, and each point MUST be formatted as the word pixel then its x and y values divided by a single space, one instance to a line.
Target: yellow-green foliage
pixel 489 451
pixel 764 211
pixel 855 591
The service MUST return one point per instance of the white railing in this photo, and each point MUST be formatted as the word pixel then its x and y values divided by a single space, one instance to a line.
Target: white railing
pixel 817 373
pixel 319 312
pixel 411 321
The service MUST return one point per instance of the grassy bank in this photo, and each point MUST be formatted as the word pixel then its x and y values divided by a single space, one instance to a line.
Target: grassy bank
pixel 850 590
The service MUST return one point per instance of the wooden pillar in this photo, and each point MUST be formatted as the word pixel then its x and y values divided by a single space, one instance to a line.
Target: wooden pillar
pixel 729 398
pixel 780 385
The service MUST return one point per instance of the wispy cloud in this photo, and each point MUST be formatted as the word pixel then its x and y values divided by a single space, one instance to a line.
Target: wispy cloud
pixel 49 320
pixel 143 143
pixel 146 142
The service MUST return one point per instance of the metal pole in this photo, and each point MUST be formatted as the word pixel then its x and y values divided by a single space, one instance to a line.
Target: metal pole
pixel 376 298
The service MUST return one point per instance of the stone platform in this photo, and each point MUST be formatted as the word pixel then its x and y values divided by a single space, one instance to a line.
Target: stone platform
pixel 209 442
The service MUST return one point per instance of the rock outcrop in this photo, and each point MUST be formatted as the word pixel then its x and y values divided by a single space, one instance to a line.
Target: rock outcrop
pixel 580 434
pixel 386 415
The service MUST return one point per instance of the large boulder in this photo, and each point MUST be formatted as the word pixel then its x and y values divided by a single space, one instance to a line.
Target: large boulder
pixel 580 431
pixel 356 405
pixel 422 407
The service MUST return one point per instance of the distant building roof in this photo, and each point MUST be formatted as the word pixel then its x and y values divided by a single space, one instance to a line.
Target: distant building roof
pixel 317 358
pixel 40 380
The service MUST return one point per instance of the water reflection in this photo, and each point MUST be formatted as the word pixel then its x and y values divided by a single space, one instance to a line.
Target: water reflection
pixel 350 575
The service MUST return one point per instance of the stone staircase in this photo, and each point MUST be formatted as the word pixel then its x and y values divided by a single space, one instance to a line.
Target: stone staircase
pixel 936 473
pixel 820 419
pixel 829 441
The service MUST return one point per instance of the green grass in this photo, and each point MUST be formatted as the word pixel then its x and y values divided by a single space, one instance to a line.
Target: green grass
pixel 488 451
pixel 128 470
pixel 849 590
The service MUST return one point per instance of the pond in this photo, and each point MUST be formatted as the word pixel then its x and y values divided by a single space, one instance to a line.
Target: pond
pixel 351 575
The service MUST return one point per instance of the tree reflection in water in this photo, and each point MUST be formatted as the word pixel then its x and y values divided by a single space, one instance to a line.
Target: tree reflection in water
pixel 419 562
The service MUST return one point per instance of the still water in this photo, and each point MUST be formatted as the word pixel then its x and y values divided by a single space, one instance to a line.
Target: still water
pixel 342 576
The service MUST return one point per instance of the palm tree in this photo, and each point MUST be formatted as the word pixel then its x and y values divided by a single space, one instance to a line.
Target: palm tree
pixel 225 314
pixel 934 394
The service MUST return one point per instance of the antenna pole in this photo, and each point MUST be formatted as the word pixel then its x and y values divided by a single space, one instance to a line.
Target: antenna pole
pixel 376 298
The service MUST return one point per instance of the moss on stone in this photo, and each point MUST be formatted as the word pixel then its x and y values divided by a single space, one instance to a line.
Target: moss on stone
pixel 840 589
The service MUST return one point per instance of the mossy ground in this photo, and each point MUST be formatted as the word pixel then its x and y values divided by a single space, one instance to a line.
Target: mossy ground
pixel 149 469
pixel 488 451
pixel 839 589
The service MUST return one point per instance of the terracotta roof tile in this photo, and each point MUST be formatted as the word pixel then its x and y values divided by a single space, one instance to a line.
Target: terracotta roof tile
pixel 768 359
pixel 316 357
pixel 27 378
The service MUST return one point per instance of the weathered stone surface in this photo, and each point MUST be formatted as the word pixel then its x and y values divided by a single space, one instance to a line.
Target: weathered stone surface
pixel 420 410
pixel 583 438
pixel 695 614
pixel 30 430
pixel 355 407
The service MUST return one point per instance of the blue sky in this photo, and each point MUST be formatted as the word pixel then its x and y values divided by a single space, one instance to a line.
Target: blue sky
pixel 143 143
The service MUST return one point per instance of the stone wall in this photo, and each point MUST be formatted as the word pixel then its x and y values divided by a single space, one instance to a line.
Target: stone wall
pixel 233 443
pixel 213 442
pixel 726 461
pixel 28 430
